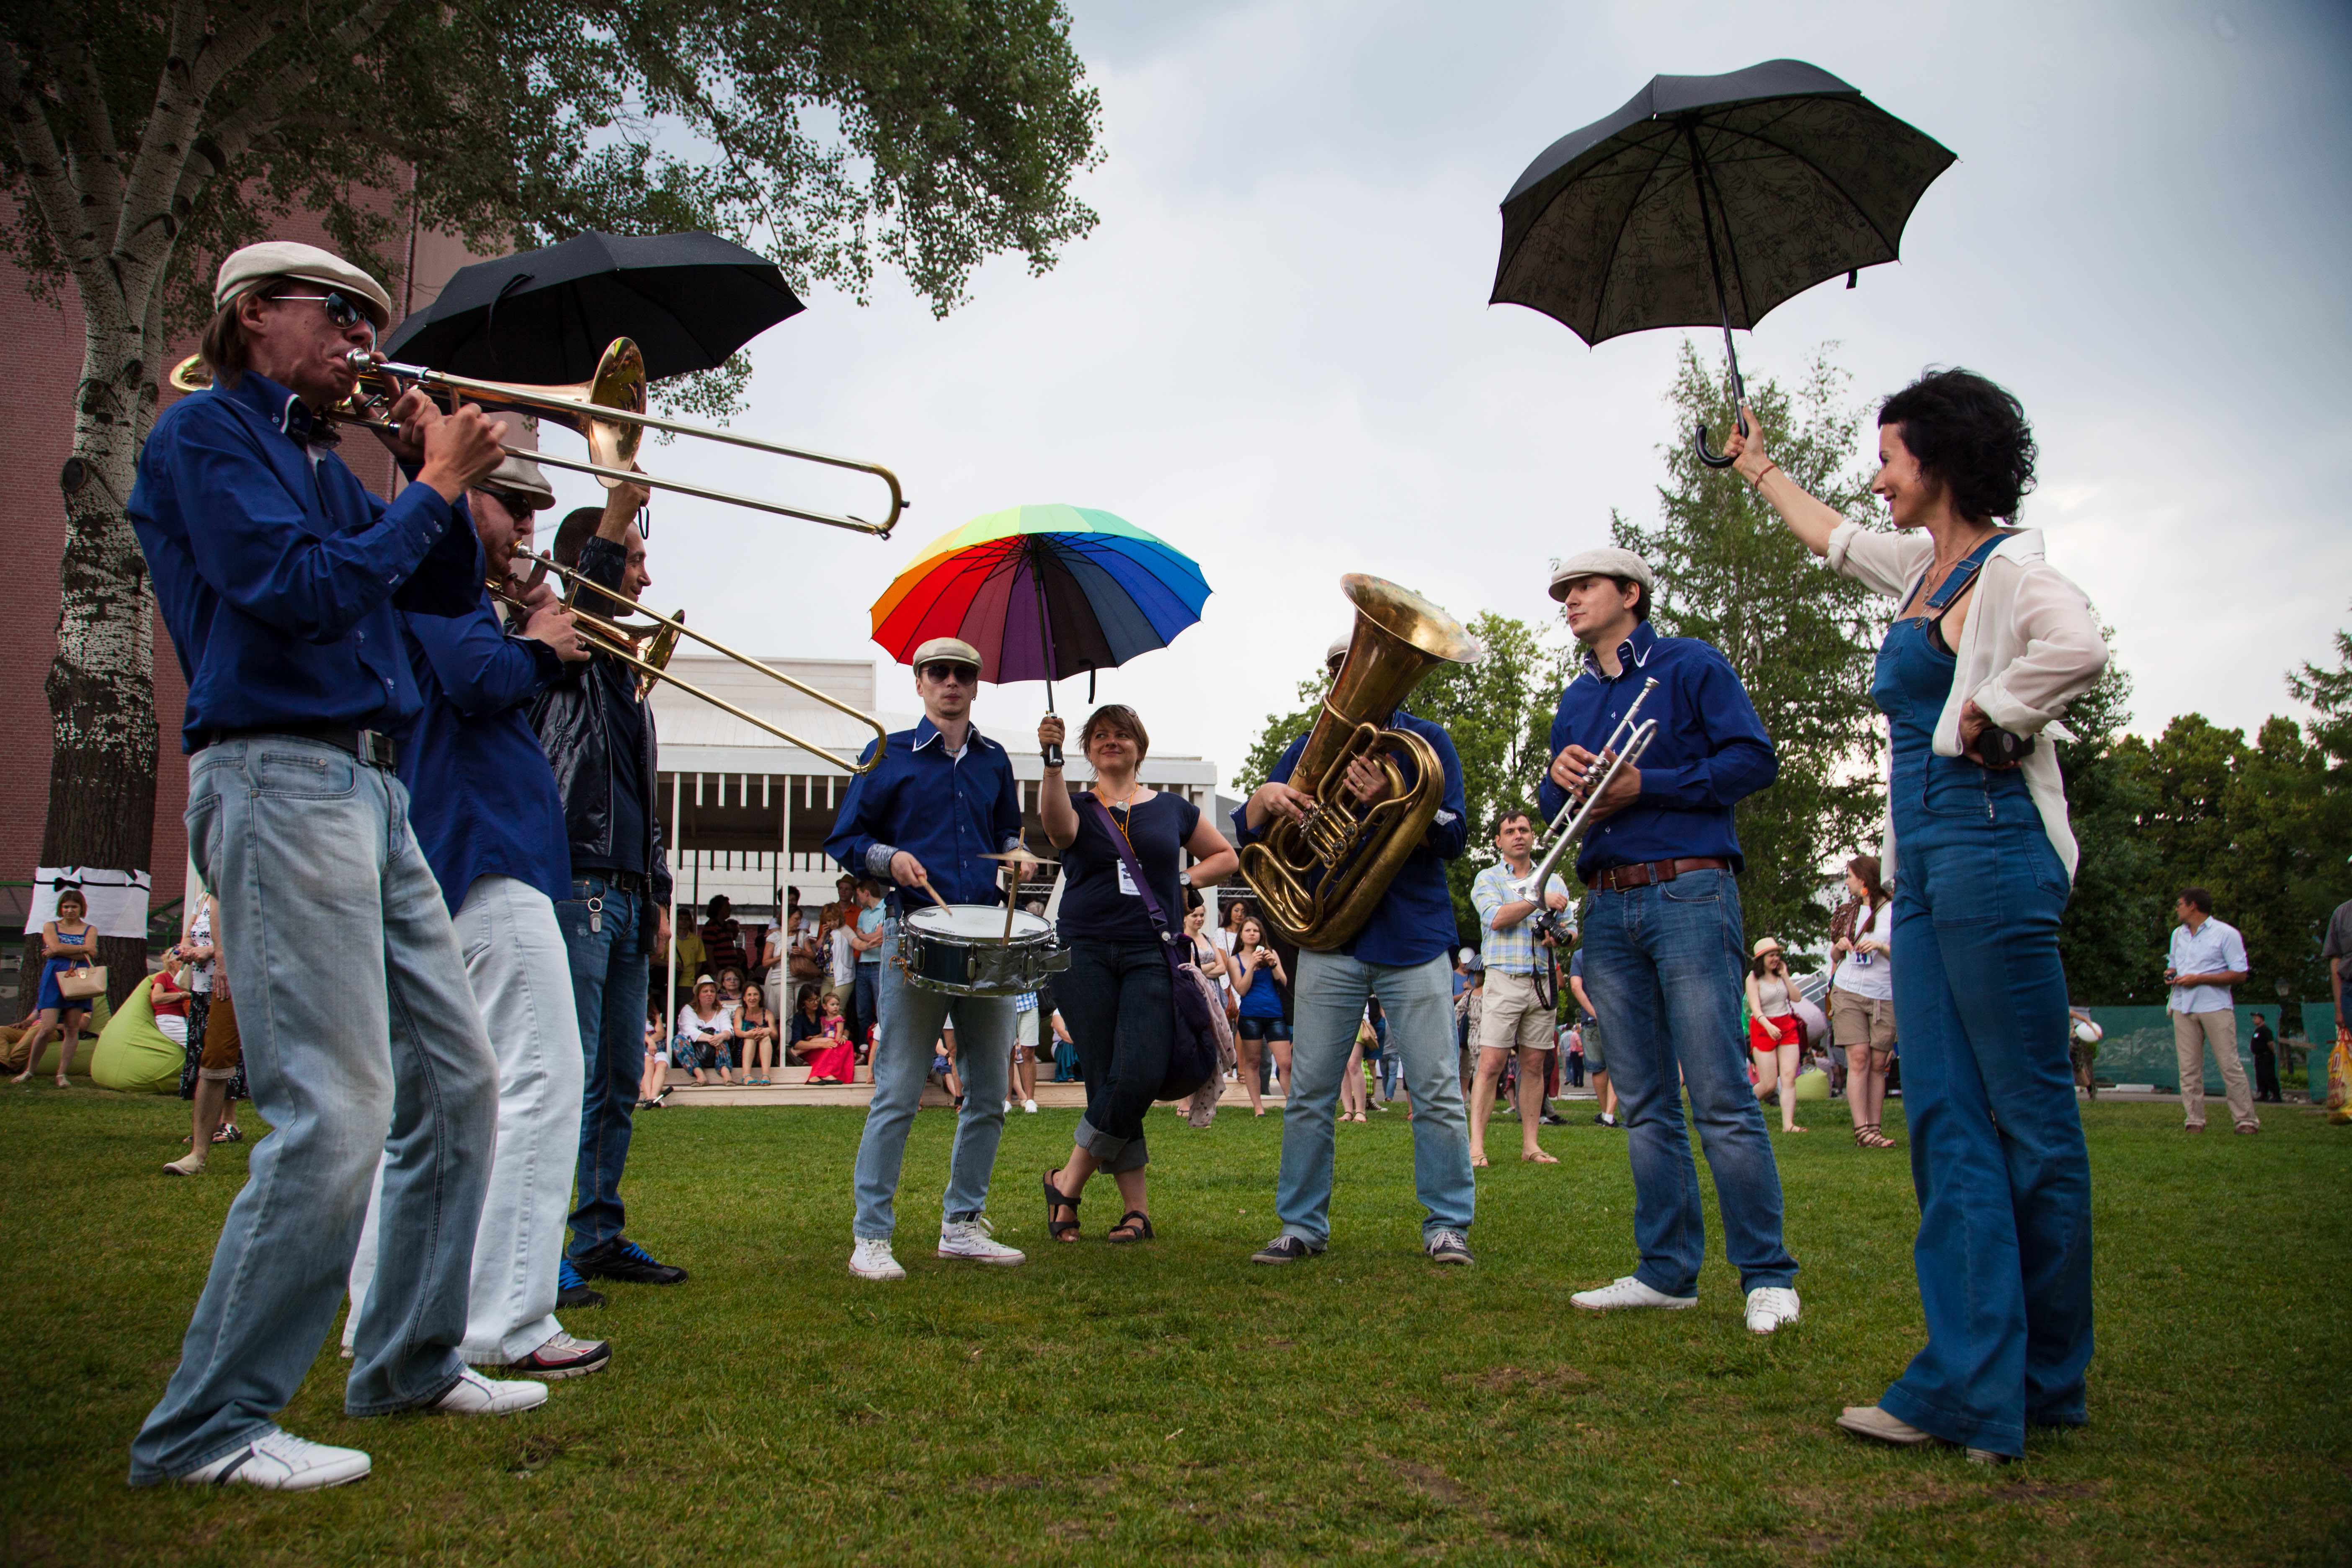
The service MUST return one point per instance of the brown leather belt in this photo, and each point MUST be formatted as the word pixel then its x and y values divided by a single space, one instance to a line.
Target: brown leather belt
pixel 1618 878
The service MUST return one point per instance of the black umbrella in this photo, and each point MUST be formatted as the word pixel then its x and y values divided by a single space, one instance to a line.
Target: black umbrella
pixel 1711 198
pixel 545 316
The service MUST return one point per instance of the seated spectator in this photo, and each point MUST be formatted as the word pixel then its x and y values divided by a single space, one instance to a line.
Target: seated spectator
pixel 705 1038
pixel 943 1070
pixel 731 992
pixel 832 1058
pixel 807 1023
pixel 653 1088
pixel 756 1027
pixel 722 938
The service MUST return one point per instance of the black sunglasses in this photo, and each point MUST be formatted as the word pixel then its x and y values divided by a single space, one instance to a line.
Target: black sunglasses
pixel 941 670
pixel 343 311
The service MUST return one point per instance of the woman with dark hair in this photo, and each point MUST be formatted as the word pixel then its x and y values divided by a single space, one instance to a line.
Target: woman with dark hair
pixel 806 1023
pixel 66 943
pixel 1989 645
pixel 1258 979
pixel 1122 851
pixel 1776 1038
pixel 1861 998
pixel 756 1027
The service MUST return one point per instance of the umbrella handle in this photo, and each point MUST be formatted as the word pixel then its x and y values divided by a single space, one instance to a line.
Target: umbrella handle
pixel 1707 455
pixel 1054 755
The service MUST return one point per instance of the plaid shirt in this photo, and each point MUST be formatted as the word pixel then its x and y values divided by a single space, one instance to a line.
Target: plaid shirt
pixel 1512 951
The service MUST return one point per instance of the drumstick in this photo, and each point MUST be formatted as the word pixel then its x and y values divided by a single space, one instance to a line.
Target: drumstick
pixel 925 883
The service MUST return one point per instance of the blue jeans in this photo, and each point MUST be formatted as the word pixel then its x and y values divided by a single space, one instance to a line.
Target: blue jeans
pixel 863 999
pixel 1662 964
pixel 361 1041
pixel 609 954
pixel 1997 1153
pixel 911 1020
pixel 1327 1003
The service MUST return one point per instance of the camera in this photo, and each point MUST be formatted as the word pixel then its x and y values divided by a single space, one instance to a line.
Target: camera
pixel 2001 749
pixel 1556 924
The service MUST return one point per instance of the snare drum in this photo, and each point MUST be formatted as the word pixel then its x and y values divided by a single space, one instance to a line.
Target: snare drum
pixel 960 949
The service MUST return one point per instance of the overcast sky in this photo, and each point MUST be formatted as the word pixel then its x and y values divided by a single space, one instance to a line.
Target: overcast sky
pixel 1274 351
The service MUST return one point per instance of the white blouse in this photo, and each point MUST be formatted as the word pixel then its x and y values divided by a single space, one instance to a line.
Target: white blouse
pixel 2030 646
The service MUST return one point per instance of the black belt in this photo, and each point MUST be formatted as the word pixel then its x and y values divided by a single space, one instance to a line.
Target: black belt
pixel 373 747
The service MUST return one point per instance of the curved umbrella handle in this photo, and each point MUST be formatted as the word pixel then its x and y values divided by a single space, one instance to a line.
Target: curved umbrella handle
pixel 1706 454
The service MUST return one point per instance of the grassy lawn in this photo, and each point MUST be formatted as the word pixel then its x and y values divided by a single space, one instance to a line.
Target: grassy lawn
pixel 1172 1402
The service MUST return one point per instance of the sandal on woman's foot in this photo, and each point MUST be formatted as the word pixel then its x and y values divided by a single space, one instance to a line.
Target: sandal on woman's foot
pixel 1066 1230
pixel 1478 1161
pixel 1538 1157
pixel 1870 1137
pixel 1136 1223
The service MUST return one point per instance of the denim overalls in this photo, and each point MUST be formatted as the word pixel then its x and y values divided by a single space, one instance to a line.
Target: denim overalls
pixel 1996 1154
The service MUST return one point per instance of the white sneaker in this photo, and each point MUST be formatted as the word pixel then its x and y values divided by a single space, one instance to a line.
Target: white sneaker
pixel 281 1462
pixel 969 1239
pixel 871 1259
pixel 1769 1306
pixel 1029 1107
pixel 1629 1292
pixel 474 1394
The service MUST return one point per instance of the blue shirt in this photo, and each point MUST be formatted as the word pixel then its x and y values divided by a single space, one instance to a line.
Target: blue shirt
pixel 1414 920
pixel 278 572
pixel 945 813
pixel 1710 753
pixel 482 797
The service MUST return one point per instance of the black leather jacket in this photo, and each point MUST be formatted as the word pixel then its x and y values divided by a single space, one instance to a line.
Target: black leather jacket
pixel 570 716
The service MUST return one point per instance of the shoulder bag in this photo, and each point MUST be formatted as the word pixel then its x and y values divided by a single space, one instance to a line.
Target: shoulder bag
pixel 1202 1041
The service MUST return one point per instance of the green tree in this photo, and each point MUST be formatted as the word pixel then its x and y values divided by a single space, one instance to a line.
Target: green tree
pixel 145 141
pixel 1803 639
pixel 2110 939
pixel 2186 824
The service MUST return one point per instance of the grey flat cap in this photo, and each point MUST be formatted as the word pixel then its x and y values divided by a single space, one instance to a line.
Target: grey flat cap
pixel 290 258
pixel 521 477
pixel 1338 648
pixel 1609 561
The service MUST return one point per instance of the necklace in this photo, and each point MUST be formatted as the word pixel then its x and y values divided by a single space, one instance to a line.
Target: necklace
pixel 1120 810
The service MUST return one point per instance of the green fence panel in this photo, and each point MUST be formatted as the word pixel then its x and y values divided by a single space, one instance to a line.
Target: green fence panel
pixel 2138 1044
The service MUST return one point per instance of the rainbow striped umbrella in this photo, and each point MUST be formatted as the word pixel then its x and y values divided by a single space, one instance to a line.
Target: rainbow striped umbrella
pixel 1044 593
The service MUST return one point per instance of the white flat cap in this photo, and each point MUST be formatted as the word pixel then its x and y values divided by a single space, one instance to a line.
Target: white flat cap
pixel 955 650
pixel 1339 646
pixel 1609 561
pixel 289 258
pixel 521 477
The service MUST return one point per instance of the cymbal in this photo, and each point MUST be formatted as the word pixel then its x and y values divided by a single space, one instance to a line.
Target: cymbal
pixel 1018 855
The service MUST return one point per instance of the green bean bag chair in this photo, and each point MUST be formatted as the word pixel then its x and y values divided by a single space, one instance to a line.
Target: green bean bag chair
pixel 132 1054
pixel 11 1053
pixel 1812 1084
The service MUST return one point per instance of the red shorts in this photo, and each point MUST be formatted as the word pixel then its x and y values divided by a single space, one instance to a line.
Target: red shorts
pixel 1771 1034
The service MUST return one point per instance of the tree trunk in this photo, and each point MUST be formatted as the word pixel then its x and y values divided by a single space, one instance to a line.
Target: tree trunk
pixel 101 688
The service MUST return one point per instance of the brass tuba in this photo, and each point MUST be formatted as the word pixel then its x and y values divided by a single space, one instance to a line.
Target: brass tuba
pixel 1318 880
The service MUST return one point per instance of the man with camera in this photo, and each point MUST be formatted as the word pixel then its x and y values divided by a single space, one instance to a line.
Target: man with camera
pixel 1513 946
pixel 1661 934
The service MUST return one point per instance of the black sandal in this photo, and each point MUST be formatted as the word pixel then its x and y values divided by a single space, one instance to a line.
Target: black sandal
pixel 1057 1199
pixel 1138 1225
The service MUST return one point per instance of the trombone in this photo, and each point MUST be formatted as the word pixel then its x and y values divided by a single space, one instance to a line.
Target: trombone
pixel 608 409
pixel 608 636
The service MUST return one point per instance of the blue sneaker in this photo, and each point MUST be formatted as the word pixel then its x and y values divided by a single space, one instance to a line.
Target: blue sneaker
pixel 622 1259
pixel 573 1292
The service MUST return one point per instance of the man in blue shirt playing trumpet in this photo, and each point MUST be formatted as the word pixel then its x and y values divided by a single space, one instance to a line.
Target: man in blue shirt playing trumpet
pixel 281 579
pixel 943 797
pixel 1663 944
pixel 486 813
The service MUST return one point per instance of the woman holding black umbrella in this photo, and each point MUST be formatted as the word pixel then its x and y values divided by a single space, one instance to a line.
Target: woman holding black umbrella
pixel 1989 646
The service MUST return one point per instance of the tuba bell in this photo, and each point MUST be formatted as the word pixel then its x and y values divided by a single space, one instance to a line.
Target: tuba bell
pixel 1317 879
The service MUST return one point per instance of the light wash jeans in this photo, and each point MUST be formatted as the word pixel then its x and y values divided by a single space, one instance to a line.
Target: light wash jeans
pixel 1327 1003
pixel 521 980
pixel 357 1023
pixel 911 1021
pixel 1664 965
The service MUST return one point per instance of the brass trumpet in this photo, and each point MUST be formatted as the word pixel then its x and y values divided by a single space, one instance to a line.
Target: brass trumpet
pixel 608 410
pixel 609 637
